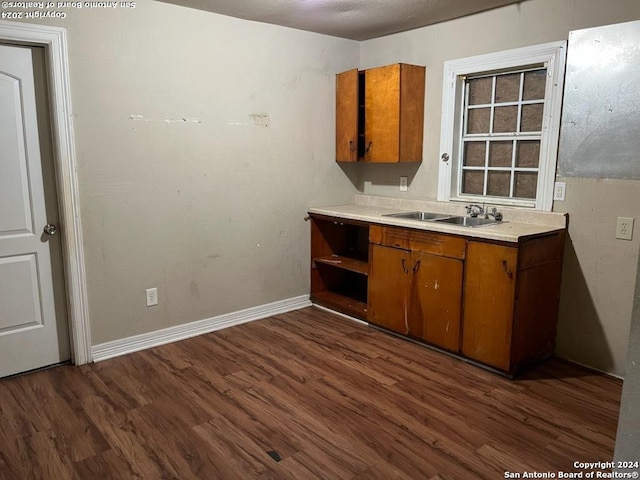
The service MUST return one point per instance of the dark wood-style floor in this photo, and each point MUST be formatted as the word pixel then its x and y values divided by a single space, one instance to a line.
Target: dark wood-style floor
pixel 303 395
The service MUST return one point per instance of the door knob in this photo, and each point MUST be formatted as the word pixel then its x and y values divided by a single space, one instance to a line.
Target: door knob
pixel 50 229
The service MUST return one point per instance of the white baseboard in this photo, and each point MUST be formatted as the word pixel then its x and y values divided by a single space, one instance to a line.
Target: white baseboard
pixel 143 341
pixel 580 364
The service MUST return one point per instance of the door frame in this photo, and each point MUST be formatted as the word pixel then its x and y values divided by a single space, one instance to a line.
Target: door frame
pixel 54 41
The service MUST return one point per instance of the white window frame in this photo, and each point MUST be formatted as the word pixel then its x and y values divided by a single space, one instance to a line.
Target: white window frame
pixel 551 56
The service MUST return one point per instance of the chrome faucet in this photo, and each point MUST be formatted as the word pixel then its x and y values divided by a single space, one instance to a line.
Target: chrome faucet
pixel 474 210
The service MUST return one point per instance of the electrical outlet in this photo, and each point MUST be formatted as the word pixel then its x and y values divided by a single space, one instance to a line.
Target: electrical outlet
pixel 152 297
pixel 624 228
pixel 559 191
pixel 403 184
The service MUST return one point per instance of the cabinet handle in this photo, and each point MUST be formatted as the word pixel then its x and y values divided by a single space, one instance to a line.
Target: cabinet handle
pixel 416 266
pixel 368 149
pixel 506 269
pixel 351 147
pixel 404 269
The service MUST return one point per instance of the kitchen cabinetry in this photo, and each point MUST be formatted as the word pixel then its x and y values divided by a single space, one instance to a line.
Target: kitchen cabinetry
pixel 380 114
pixel 415 284
pixel 339 264
pixel 492 302
pixel 511 299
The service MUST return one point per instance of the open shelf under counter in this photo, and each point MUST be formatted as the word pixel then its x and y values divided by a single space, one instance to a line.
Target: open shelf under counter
pixel 346 263
pixel 341 303
pixel 340 264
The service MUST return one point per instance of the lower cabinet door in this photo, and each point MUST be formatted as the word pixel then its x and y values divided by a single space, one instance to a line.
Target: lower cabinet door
pixel 489 303
pixel 389 288
pixel 436 301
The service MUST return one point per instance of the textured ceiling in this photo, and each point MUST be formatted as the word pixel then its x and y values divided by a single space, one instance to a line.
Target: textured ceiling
pixel 354 19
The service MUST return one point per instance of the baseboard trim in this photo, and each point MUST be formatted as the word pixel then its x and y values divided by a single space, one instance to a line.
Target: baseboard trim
pixel 589 367
pixel 143 341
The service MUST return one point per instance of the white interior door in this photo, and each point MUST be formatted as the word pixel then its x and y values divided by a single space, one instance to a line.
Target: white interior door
pixel 33 321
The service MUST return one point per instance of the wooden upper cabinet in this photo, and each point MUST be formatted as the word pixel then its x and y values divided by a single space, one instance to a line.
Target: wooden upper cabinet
pixel 347 116
pixel 380 114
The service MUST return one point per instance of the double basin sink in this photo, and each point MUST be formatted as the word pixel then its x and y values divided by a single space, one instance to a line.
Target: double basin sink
pixel 444 218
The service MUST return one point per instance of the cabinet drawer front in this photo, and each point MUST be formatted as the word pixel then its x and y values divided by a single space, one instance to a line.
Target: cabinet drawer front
pixel 389 236
pixel 538 251
pixel 437 244
pixel 418 241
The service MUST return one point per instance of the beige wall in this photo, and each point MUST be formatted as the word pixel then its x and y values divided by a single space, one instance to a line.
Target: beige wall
pixel 600 272
pixel 208 209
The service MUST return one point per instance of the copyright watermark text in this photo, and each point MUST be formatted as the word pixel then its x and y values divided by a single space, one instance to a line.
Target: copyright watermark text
pixel 585 470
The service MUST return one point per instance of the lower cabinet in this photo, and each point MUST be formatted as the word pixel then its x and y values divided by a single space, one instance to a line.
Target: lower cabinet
pixel 390 288
pixel 511 301
pixel 495 303
pixel 490 286
pixel 417 290
pixel 437 301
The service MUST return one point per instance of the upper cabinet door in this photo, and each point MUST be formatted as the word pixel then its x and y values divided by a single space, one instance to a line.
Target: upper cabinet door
pixel 412 90
pixel 347 116
pixel 382 114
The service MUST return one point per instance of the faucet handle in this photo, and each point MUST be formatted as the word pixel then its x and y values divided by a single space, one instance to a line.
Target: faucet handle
pixel 470 211
pixel 496 214
pixel 474 213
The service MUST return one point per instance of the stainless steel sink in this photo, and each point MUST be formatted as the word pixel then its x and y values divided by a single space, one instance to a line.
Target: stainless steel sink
pixel 422 216
pixel 444 218
pixel 467 221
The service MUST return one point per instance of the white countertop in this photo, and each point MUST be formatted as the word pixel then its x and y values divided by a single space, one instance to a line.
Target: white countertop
pixel 517 224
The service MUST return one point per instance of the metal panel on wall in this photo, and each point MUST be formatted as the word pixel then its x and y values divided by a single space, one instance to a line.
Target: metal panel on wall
pixel 600 129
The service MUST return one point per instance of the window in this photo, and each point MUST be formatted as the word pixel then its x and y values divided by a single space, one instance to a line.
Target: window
pixel 500 127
